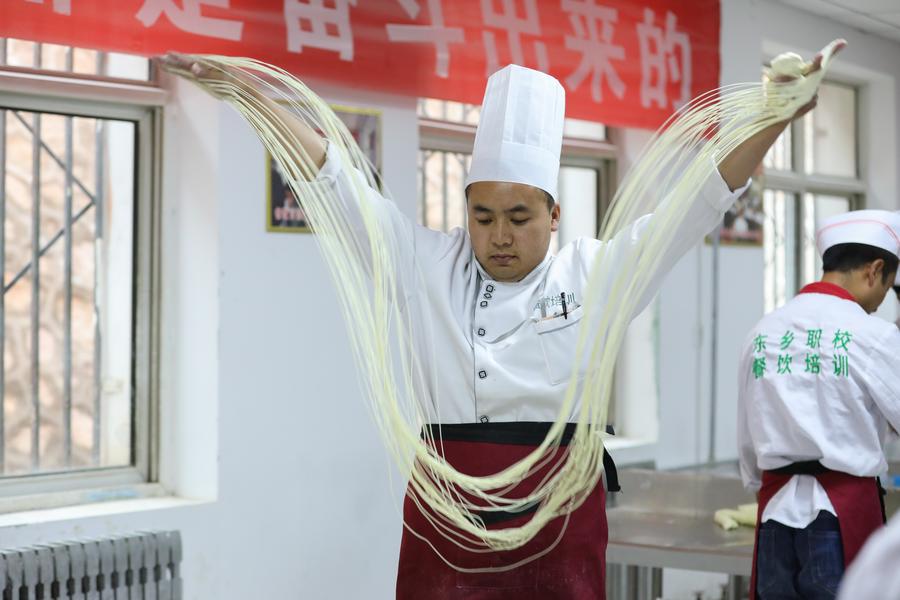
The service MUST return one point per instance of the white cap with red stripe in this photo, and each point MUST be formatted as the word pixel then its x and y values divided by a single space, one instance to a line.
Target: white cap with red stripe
pixel 879 228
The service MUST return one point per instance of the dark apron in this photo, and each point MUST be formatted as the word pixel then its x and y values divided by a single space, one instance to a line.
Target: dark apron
pixel 858 502
pixel 574 569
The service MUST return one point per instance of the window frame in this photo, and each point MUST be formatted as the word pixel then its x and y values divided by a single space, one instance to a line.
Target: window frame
pixel 446 136
pixel 797 182
pixel 115 99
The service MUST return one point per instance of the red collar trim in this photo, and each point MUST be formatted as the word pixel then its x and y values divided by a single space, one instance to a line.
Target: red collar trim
pixel 823 287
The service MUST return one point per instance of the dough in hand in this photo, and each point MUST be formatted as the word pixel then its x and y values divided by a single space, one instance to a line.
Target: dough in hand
pixel 788 64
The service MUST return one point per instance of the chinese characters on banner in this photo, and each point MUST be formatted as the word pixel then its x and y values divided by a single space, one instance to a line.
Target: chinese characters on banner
pixel 622 62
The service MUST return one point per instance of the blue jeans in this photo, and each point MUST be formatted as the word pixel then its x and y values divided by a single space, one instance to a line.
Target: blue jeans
pixel 802 564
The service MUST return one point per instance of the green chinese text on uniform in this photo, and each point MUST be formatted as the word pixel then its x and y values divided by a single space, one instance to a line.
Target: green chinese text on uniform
pixel 841 340
pixel 759 344
pixel 813 338
pixel 787 339
pixel 812 364
pixel 784 364
pixel 841 365
pixel 759 366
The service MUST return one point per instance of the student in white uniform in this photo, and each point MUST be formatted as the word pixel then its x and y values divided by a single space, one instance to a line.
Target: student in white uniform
pixel 819 386
pixel 501 313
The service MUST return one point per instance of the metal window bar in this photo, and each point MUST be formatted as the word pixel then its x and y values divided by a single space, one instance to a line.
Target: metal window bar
pixel 445 192
pixel 35 292
pixel 66 166
pixel 99 179
pixel 444 187
pixel 45 248
pixel 423 194
pixel 442 220
pixel 67 278
pixel 37 62
pixel 33 267
pixel 39 147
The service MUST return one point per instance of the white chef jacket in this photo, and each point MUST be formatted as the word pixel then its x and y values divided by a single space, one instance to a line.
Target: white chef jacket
pixel 488 354
pixel 874 575
pixel 788 412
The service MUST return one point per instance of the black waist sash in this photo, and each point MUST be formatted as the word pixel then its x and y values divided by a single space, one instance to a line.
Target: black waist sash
pixel 814 467
pixel 807 467
pixel 526 433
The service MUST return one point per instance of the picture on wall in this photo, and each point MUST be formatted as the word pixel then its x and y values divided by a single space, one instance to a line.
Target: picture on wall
pixel 742 225
pixel 283 213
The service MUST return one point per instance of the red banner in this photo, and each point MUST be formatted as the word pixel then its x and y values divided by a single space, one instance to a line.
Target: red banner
pixel 622 62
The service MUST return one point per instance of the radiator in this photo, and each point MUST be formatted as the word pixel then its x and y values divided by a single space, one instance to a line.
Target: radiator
pixel 142 566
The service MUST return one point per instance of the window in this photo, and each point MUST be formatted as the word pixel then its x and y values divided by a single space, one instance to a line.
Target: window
pixel 83 63
pixel 76 252
pixel 447 132
pixel 811 173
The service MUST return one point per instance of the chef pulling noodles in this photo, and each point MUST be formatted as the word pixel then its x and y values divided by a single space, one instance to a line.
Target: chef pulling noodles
pixel 819 388
pixel 495 400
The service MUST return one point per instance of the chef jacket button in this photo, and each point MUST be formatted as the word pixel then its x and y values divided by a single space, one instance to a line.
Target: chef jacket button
pixel 484 303
pixel 482 374
pixel 487 295
pixel 484 419
pixel 489 288
pixel 481 331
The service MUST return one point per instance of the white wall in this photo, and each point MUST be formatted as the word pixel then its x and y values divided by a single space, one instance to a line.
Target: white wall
pixel 302 465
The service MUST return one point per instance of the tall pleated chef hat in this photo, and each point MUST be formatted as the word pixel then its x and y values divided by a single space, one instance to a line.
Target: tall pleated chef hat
pixel 879 228
pixel 519 135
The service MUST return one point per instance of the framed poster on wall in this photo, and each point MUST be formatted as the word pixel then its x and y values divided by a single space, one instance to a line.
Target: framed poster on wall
pixel 743 223
pixel 283 213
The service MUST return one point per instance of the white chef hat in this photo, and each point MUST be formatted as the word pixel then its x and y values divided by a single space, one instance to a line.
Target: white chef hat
pixel 879 228
pixel 519 135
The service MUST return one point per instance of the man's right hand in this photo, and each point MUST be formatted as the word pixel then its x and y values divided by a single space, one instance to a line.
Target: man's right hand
pixel 188 66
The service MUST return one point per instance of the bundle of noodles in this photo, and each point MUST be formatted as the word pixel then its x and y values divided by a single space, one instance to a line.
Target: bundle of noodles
pixel 369 249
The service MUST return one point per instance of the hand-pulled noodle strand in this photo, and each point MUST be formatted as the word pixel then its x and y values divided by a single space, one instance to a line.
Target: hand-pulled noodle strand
pixel 367 247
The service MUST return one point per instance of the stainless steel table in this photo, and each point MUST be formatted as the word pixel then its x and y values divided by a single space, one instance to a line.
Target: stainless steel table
pixel 665 520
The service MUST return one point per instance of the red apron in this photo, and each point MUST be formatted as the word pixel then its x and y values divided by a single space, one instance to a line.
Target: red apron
pixel 856 500
pixel 574 569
